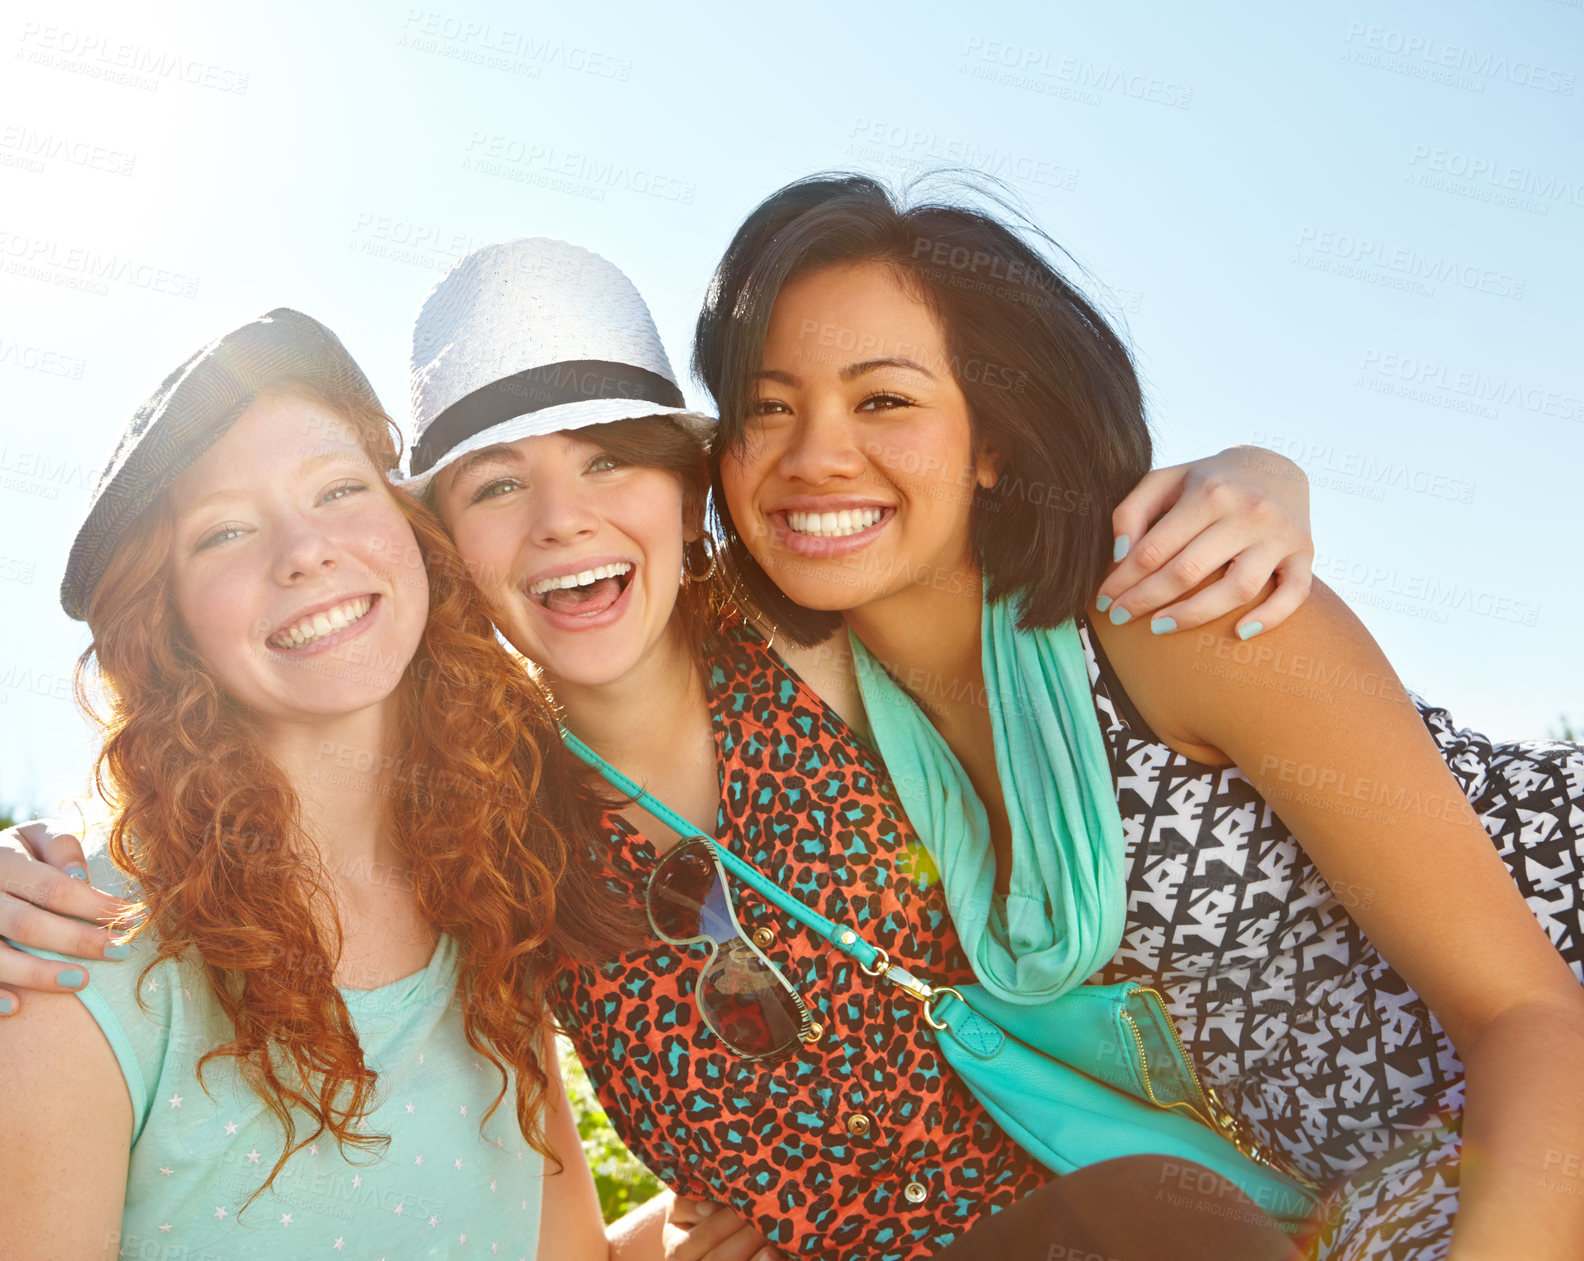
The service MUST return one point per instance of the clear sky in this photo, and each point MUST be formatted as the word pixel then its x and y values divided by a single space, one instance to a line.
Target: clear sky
pixel 1352 231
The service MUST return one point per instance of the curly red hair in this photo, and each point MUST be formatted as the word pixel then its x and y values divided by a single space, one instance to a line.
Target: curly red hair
pixel 495 817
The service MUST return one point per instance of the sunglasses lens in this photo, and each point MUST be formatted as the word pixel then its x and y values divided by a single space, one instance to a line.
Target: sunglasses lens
pixel 680 894
pixel 686 900
pixel 746 1003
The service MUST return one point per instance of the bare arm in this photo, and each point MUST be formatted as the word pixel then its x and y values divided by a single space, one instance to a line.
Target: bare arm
pixel 66 1118
pixel 569 1223
pixel 1352 771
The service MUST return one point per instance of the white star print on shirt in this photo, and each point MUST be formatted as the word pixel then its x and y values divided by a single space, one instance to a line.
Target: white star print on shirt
pixel 219 1212
pixel 417 1160
pixel 457 1162
pixel 285 1219
pixel 231 1128
pixel 464 1109
pixel 175 1101
pixel 253 1156
pixel 165 1229
pixel 339 1244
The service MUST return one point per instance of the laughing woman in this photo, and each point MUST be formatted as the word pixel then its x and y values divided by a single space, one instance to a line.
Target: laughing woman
pixel 329 786
pixel 1341 972
pixel 555 445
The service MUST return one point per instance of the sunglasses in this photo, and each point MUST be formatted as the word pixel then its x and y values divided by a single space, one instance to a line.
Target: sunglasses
pixel 741 995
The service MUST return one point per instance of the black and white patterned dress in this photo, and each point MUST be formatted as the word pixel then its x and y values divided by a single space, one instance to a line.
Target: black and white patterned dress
pixel 1285 1006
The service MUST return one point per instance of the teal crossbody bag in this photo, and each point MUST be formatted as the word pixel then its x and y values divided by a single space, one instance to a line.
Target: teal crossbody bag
pixel 1094 1074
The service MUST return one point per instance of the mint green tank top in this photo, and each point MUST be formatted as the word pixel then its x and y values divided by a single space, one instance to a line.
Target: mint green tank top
pixel 441 1188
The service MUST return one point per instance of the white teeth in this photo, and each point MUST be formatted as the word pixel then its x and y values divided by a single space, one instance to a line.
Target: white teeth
pixel 834 524
pixel 311 628
pixel 580 579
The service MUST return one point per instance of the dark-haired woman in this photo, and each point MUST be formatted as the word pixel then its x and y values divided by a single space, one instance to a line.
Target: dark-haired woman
pixel 1342 972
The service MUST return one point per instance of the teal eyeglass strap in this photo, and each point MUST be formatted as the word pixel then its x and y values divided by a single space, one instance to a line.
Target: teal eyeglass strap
pixel 849 941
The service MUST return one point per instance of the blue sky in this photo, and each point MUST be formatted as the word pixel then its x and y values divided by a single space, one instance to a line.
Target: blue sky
pixel 1352 233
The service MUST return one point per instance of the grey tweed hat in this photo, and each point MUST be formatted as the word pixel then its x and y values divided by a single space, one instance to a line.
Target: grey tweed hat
pixel 189 412
pixel 531 337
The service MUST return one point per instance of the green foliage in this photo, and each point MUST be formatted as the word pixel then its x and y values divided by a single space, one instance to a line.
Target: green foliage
pixel 1566 731
pixel 622 1182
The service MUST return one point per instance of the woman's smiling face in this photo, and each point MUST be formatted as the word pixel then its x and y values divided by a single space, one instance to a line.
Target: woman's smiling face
pixel 578 552
pixel 856 473
pixel 294 571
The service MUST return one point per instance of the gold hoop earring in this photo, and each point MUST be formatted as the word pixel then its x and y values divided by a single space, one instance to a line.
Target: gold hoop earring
pixel 707 542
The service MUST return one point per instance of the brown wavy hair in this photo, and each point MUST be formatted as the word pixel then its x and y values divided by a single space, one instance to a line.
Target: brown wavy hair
pixel 496 820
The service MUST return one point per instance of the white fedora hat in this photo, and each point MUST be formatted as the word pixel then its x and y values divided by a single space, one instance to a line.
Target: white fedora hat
pixel 531 337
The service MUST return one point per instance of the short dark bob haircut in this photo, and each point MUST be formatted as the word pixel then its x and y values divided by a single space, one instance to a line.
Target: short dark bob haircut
pixel 1050 386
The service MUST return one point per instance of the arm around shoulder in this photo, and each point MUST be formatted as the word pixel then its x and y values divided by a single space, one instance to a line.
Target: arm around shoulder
pixel 67 1121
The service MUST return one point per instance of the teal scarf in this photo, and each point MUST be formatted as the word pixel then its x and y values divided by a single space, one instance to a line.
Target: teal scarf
pixel 1062 919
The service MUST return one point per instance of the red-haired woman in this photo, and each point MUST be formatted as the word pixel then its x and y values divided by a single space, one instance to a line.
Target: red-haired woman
pixel 332 801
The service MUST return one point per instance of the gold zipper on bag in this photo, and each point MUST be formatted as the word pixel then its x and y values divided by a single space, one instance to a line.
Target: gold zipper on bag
pixel 1214 1114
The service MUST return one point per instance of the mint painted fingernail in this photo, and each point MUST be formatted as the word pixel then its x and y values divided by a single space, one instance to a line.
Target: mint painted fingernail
pixel 1250 629
pixel 118 951
pixel 1119 549
pixel 1102 602
pixel 72 978
pixel 1164 625
pixel 7 1004
pixel 1119 615
pixel 77 871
